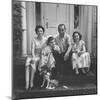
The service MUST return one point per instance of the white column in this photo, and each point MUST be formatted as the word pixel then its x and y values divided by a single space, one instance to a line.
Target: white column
pixel 30 16
pixel 67 18
pixel 81 21
pixel 94 31
pixel 89 28
pixel 85 24
pixel 71 20
pixel 24 35
pixel 43 14
pixel 85 27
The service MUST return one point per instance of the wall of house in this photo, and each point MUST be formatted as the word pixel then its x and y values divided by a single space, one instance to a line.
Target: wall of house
pixel 88 26
pixel 87 17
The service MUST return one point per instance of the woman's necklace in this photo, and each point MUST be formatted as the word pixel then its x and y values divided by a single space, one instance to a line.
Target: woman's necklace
pixel 40 40
pixel 76 44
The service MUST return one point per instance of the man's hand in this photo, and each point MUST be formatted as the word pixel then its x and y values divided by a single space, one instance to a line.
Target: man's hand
pixel 66 56
pixel 80 53
pixel 56 48
pixel 32 61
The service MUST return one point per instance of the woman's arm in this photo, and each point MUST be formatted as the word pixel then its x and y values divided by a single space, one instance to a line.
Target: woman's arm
pixel 83 48
pixel 33 48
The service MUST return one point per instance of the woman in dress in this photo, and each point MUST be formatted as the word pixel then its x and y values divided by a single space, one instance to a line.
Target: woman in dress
pixel 32 61
pixel 80 58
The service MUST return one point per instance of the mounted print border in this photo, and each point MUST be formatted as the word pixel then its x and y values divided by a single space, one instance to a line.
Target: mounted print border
pixel 26 15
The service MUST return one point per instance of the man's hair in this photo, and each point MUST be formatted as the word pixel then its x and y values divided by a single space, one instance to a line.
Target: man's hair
pixel 61 25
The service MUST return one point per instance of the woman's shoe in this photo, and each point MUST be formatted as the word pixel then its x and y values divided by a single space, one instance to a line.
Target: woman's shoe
pixel 83 71
pixel 77 72
pixel 26 87
pixel 31 85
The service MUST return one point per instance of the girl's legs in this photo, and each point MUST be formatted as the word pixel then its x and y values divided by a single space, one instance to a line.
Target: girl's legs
pixel 30 72
pixel 27 76
pixel 75 62
pixel 27 72
pixel 33 70
pixel 76 70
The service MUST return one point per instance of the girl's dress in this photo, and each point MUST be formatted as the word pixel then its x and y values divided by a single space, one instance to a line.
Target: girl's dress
pixel 47 61
pixel 83 60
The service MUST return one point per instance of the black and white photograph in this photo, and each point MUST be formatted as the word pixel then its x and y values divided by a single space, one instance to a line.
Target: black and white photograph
pixel 54 49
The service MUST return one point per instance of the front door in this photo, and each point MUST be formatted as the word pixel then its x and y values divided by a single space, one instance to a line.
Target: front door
pixel 52 15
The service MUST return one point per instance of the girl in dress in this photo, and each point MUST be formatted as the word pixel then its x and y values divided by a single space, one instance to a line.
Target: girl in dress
pixel 32 61
pixel 47 60
pixel 80 58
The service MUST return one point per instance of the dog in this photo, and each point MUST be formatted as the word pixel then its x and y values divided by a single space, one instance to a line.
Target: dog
pixel 46 77
pixel 51 83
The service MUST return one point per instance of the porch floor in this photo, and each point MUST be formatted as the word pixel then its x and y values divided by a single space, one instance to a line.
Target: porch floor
pixel 68 86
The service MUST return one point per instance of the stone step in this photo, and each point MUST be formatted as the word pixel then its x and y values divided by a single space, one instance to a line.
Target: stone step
pixel 78 79
pixel 19 77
